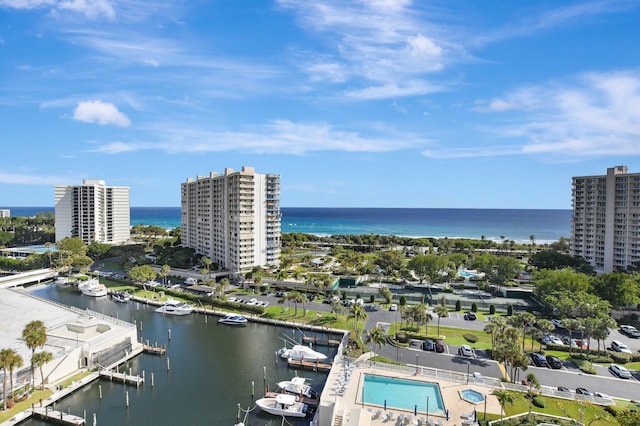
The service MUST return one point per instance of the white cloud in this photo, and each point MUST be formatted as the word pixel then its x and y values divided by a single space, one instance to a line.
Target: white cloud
pixel 379 44
pixel 276 137
pixel 99 112
pixel 596 114
pixel 89 8
pixel 29 179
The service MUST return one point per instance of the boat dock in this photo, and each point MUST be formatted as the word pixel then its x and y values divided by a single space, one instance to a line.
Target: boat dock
pixel 321 341
pixel 154 350
pixel 309 365
pixel 56 416
pixel 122 377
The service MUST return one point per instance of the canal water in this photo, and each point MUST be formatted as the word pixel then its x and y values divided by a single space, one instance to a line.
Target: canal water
pixel 213 368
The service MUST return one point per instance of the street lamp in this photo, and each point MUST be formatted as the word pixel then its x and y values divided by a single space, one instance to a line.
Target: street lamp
pixel 468 368
pixel 485 408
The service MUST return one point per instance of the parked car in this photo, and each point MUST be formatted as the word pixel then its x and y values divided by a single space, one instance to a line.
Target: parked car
pixel 620 371
pixel 563 389
pixel 466 350
pixel 393 307
pixel 551 339
pixel 440 346
pixel 470 316
pixel 630 331
pixel 553 361
pixel 618 346
pixel 538 360
pixel 428 345
pixel 557 323
pixel 583 391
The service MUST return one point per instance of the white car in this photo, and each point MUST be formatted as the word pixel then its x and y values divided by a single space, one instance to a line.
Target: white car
pixel 466 350
pixel 393 307
pixel 552 340
pixel 618 346
pixel 620 371
pixel 557 323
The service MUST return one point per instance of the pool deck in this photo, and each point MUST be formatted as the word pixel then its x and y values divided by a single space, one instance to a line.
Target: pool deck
pixel 350 411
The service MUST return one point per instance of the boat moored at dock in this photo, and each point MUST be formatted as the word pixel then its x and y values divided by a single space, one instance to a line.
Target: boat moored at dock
pixel 301 352
pixel 93 288
pixel 283 405
pixel 233 319
pixel 175 307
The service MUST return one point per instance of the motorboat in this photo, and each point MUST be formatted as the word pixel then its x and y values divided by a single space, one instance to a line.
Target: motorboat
pixel 93 288
pixel 298 386
pixel 121 296
pixel 283 405
pixel 233 319
pixel 301 352
pixel 175 307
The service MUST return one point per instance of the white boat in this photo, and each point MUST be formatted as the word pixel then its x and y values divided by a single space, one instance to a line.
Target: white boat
pixel 233 319
pixel 298 386
pixel 283 405
pixel 93 288
pixel 175 307
pixel 121 296
pixel 301 352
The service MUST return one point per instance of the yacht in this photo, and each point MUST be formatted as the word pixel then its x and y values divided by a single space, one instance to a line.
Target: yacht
pixel 298 386
pixel 175 307
pixel 233 319
pixel 93 288
pixel 283 405
pixel 121 296
pixel 301 352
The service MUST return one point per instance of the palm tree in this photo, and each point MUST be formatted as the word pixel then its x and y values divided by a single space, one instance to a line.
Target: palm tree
pixel 532 383
pixel 207 264
pixel 504 398
pixel 164 273
pixel 15 361
pixel 39 359
pixel 6 359
pixel 377 336
pixel 442 312
pixel 358 314
pixel 35 336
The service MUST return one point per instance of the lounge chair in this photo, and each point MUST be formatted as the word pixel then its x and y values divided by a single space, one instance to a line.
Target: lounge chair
pixel 377 414
pixel 439 422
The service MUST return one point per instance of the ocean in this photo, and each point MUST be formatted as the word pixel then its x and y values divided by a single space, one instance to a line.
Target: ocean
pixel 494 224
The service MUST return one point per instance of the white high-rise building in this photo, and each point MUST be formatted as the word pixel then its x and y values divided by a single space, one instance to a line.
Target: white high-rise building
pixel 93 212
pixel 5 213
pixel 605 227
pixel 233 218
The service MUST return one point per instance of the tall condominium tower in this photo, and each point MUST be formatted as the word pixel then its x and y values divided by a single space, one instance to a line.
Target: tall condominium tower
pixel 605 227
pixel 93 212
pixel 233 218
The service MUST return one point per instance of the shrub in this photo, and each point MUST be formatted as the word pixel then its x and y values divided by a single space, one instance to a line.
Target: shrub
pixel 538 402
pixel 620 357
pixel 584 366
pixel 474 307
pixel 472 338
pixel 492 309
pixel 458 306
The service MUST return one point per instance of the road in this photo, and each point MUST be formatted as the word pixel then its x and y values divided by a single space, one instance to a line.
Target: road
pixel 569 376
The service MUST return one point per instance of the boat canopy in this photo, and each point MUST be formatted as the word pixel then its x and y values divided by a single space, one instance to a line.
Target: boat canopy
pixel 285 399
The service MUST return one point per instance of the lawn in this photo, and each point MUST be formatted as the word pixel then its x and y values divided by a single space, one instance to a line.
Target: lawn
pixel 584 412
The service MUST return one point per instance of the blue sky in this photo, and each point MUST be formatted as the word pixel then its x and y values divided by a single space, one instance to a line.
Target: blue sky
pixel 380 103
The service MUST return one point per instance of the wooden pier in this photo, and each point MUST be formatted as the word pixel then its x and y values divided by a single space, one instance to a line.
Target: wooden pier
pixel 309 365
pixel 56 416
pixel 321 341
pixel 122 377
pixel 154 350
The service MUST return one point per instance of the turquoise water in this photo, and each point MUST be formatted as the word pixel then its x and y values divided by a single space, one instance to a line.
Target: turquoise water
pixel 465 274
pixel 493 224
pixel 402 394
pixel 472 395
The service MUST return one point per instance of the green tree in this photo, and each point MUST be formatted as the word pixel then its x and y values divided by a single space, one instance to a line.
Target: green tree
pixel 391 261
pixel 550 281
pixel 377 336
pixel 142 274
pixel 504 398
pixel 164 273
pixel 34 335
pixel 15 361
pixel 74 245
pixel 358 314
pixel 39 359
pixel 8 362
pixel 533 388
pixel 619 289
pixel 386 294
pixel 442 312
pixel 426 266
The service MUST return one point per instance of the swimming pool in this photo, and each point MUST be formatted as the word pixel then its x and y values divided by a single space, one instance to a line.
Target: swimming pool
pixel 472 396
pixel 402 394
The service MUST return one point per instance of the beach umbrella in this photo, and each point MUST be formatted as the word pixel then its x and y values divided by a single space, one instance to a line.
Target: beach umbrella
pixel 385 405
pixel 475 415
pixel 415 410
